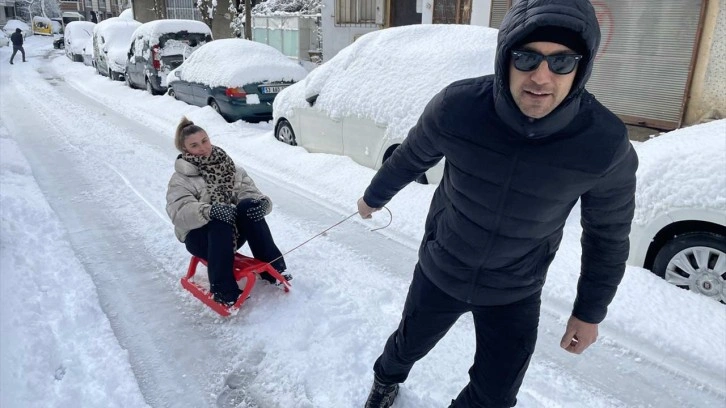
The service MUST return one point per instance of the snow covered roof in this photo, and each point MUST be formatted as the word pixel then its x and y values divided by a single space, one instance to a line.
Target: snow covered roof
pixel 79 29
pixel 127 14
pixel 236 62
pixel 41 19
pixel 685 168
pixel 155 29
pixel 388 76
pixel 116 31
pixel 11 25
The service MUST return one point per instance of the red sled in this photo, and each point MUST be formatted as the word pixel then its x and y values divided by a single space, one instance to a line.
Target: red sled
pixel 244 267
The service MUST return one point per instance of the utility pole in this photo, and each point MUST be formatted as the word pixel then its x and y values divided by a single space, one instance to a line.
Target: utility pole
pixel 248 19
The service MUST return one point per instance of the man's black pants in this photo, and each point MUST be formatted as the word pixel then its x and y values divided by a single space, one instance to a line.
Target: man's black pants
pixel 213 242
pixel 505 340
pixel 15 51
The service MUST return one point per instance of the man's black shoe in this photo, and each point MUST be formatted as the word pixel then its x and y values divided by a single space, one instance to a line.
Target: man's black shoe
pixel 382 395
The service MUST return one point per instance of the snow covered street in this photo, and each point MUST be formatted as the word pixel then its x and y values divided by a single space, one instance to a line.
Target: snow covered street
pixel 93 314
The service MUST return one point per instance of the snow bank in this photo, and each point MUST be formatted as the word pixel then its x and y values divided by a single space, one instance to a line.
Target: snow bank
pixel 58 348
pixel 236 62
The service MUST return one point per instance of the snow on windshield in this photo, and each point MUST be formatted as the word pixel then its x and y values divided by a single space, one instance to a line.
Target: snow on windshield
pixel 389 76
pixel 237 62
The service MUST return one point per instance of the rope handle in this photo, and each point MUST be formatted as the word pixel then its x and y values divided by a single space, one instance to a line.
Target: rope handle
pixel 333 226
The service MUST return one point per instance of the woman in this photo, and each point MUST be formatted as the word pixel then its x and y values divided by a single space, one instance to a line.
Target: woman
pixel 215 208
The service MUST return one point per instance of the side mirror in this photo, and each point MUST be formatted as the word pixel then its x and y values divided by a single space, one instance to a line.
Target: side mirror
pixel 177 73
pixel 311 99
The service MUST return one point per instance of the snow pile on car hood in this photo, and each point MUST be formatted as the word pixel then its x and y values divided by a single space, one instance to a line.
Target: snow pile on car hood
pixel 389 75
pixel 236 62
pixel 685 168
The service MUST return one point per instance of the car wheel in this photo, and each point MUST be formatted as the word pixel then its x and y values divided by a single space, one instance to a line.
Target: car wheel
pixel 285 134
pixel 215 106
pixel 171 92
pixel 695 261
pixel 149 88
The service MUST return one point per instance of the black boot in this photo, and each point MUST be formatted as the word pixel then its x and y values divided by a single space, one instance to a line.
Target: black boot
pixel 227 299
pixel 382 395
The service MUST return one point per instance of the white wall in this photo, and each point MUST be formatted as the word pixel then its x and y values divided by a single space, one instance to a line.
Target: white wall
pixel 337 38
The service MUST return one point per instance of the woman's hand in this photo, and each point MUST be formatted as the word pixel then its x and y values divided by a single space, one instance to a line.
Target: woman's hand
pixel 223 212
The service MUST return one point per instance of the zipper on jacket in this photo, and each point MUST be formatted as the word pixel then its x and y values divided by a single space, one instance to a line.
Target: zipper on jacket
pixel 497 221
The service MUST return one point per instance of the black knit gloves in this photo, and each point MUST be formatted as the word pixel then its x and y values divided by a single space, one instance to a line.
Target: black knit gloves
pixel 223 212
pixel 258 209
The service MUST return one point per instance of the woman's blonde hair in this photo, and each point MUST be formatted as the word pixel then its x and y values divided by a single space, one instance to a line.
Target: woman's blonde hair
pixel 185 128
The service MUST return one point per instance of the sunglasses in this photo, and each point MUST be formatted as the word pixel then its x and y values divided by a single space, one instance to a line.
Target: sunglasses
pixel 560 64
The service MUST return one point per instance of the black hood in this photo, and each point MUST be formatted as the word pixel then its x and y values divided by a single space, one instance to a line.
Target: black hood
pixel 523 18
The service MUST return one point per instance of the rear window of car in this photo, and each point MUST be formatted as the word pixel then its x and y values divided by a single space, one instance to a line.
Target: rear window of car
pixel 190 39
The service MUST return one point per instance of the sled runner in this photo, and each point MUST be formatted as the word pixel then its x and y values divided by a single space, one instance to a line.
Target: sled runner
pixel 244 267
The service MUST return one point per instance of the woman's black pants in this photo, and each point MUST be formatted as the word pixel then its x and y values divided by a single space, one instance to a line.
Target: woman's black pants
pixel 213 242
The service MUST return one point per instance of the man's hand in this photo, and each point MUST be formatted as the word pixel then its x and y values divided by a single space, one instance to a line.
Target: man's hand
pixel 364 210
pixel 578 335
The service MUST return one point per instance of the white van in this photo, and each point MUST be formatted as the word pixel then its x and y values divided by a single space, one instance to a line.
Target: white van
pixel 111 39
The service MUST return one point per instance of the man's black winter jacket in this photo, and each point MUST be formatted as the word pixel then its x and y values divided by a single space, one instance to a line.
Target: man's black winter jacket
pixel 496 219
pixel 17 39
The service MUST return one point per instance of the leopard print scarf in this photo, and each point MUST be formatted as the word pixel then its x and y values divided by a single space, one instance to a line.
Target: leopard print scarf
pixel 218 172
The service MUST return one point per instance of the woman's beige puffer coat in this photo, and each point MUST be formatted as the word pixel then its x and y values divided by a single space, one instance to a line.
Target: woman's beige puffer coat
pixel 188 200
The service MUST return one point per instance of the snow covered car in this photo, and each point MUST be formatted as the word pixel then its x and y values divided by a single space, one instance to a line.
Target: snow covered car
pixel 75 37
pixel 159 46
pixel 11 25
pixel 111 39
pixel 4 39
pixel 679 228
pixel 59 43
pixel 238 78
pixel 363 102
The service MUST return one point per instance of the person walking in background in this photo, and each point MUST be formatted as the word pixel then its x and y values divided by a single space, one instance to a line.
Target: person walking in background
pixel 522 146
pixel 17 40
pixel 215 208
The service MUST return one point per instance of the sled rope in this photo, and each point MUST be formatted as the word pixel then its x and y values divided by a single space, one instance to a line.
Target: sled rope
pixel 390 220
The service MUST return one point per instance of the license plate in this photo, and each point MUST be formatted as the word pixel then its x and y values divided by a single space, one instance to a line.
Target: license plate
pixel 272 89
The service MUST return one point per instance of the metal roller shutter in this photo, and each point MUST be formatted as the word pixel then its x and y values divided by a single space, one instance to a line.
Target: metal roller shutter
pixel 643 67
pixel 645 59
pixel 499 9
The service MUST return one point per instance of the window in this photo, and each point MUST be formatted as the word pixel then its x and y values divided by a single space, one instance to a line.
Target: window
pixel 10 12
pixel 183 9
pixel 361 13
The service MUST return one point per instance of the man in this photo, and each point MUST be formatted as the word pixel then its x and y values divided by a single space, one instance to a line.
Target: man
pixel 522 146
pixel 17 39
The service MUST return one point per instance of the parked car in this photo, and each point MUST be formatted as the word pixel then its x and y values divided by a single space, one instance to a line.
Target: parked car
pixel 59 43
pixel 679 228
pixel 57 25
pixel 238 78
pixel 42 25
pixel 111 39
pixel 159 46
pixel 75 37
pixel 13 24
pixel 4 39
pixel 363 102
